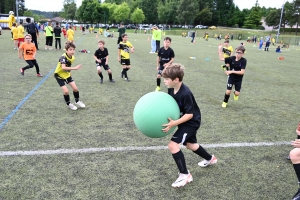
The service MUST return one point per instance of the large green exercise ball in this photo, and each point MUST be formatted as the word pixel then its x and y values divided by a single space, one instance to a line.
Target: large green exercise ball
pixel 152 110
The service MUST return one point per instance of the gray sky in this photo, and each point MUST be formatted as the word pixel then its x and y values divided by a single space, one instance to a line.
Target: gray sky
pixel 57 5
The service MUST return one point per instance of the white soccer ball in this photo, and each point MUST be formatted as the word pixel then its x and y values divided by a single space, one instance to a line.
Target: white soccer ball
pixel 11 13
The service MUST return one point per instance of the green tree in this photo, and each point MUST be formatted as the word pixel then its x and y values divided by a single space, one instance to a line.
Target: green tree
pixel 86 11
pixel 167 11
pixel 272 19
pixel 149 8
pixel 69 10
pixel 254 18
pixel 108 10
pixel 121 13
pixel 186 11
pixel 204 16
pixel 137 16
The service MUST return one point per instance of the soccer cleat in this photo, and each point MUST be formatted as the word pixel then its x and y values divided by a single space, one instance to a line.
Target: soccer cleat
pixel 72 107
pixel 39 75
pixel 22 71
pixel 288 157
pixel 101 80
pixel 80 104
pixel 206 163
pixel 112 80
pixel 157 89
pixel 297 195
pixel 235 97
pixel 127 79
pixel 182 180
pixel 224 105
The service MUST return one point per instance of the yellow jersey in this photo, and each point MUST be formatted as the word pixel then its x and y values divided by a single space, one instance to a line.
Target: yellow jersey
pixel 64 59
pixel 70 34
pixel 21 31
pixel 14 31
pixel 227 51
pixel 124 47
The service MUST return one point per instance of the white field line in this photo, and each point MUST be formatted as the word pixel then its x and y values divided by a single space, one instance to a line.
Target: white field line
pixel 120 149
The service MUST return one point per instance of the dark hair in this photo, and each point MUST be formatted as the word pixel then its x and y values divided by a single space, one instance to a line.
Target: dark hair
pixel 14 24
pixel 123 35
pixel 21 22
pixel 69 44
pixel 241 48
pixel 226 41
pixel 57 23
pixel 174 71
pixel 121 23
pixel 28 20
pixel 168 38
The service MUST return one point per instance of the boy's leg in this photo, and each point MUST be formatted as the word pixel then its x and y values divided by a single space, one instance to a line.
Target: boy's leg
pixel 158 79
pixel 227 93
pixel 75 92
pixel 59 43
pixel 295 158
pixel 37 68
pixel 100 73
pixel 220 52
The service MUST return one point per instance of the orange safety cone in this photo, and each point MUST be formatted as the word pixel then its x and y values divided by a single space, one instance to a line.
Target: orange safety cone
pixel 281 58
pixel 97 36
pixel 148 38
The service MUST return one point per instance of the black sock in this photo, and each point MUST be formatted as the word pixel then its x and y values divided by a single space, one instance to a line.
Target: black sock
pixel 201 152
pixel 158 82
pixel 76 95
pixel 110 76
pixel 180 161
pixel 298 137
pixel 67 99
pixel 297 170
pixel 125 72
pixel 226 97
pixel 100 74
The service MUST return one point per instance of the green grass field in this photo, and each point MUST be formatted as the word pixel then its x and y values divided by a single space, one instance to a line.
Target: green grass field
pixel 92 164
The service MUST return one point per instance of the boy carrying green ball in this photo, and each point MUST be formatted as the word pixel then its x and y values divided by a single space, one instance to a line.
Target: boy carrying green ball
pixel 188 124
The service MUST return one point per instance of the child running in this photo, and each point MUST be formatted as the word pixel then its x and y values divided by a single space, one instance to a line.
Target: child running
pixel 225 52
pixel 101 57
pixel 62 75
pixel 165 57
pixel 27 50
pixel 188 124
pixel 236 66
pixel 124 56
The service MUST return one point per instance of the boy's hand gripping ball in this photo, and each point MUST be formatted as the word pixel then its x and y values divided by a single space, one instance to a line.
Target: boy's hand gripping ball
pixel 152 110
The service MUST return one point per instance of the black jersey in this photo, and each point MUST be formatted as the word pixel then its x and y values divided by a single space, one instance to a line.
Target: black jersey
pixel 236 66
pixel 101 54
pixel 165 55
pixel 187 105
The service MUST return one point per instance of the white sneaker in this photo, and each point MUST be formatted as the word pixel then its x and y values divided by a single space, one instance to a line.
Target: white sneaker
pixel 80 104
pixel 72 107
pixel 206 163
pixel 182 180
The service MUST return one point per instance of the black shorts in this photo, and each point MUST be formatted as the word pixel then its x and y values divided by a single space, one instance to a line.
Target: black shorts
pixel 237 84
pixel 61 82
pixel 160 69
pixel 105 67
pixel 125 61
pixel 185 135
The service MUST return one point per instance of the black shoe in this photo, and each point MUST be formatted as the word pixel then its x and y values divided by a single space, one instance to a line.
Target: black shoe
pixel 297 195
pixel 101 80
pixel 288 158
pixel 112 80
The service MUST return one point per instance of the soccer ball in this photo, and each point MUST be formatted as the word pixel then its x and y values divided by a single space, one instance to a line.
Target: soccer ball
pixel 11 13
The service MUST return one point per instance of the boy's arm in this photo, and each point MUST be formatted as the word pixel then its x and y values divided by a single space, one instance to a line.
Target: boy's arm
pixel 172 123
pixel 106 60
pixel 64 67
pixel 119 52
pixel 20 52
pixel 97 59
pixel 157 64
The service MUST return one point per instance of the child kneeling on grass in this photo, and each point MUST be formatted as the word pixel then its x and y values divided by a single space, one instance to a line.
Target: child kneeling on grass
pixel 62 75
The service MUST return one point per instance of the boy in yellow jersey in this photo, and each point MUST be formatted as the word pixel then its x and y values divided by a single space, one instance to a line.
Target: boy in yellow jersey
pixel 225 52
pixel 21 32
pixel 27 51
pixel 14 31
pixel 70 34
pixel 123 55
pixel 62 75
